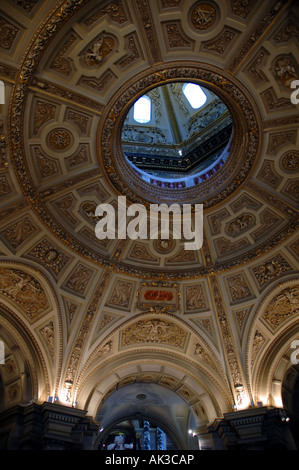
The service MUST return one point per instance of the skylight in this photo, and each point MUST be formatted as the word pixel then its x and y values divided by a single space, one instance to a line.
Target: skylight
pixel 142 110
pixel 194 95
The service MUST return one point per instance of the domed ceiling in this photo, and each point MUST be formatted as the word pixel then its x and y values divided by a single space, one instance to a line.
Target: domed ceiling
pixel 72 72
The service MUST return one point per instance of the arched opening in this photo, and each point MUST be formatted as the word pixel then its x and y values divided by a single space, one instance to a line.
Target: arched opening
pixel 146 416
pixel 290 400
pixel 177 135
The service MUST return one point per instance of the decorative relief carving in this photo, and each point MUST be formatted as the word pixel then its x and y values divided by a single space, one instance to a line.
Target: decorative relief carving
pixel 203 16
pixel 238 288
pixel 271 270
pixel 289 31
pixel 121 294
pixel 269 175
pixel 273 103
pixel 114 10
pixel 170 3
pixel 284 69
pixel 106 319
pixel 283 306
pixel 280 139
pixel 50 256
pixel 8 33
pixel 9 368
pixel 98 84
pixel 141 252
pixel 224 246
pixel 269 221
pixel 255 68
pixel 71 309
pixel 133 52
pixel 80 158
pixel 292 189
pixel 254 35
pixel 82 334
pixel 290 160
pixel 65 205
pixel 67 94
pixel 162 245
pixel 47 166
pixel 27 5
pixel 43 112
pixel 99 50
pixel 202 355
pixel 145 15
pixel 215 221
pixel 154 331
pixel 59 139
pixel 221 43
pixel 194 298
pixel 258 342
pixel 13 392
pixel 242 8
pixel 240 224
pixel 25 290
pixel 240 316
pixel 175 36
pixel 18 232
pixel 183 256
pixel 47 333
pixel 62 64
pixel 78 281
pixel 81 120
pixel 227 336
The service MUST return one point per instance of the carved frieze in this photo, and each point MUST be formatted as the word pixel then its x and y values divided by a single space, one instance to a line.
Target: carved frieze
pixel 222 43
pixel 282 307
pixel 203 16
pixel 25 290
pixel 50 256
pixel 47 333
pixel 271 270
pixel 61 63
pixel 114 10
pixel 79 279
pixel 238 287
pixel 19 231
pixel 195 298
pixel 290 161
pixel 285 70
pixel 8 33
pixel 269 175
pixel 99 50
pixel 121 294
pixel 258 341
pixel 43 112
pixel 154 331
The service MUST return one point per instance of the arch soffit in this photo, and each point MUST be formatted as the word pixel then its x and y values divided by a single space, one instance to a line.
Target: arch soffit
pixel 25 324
pixel 275 339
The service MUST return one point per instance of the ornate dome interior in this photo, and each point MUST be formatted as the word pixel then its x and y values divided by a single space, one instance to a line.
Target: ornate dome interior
pixel 209 331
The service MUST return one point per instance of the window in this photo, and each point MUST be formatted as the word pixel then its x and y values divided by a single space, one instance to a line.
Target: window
pixel 194 95
pixel 142 110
